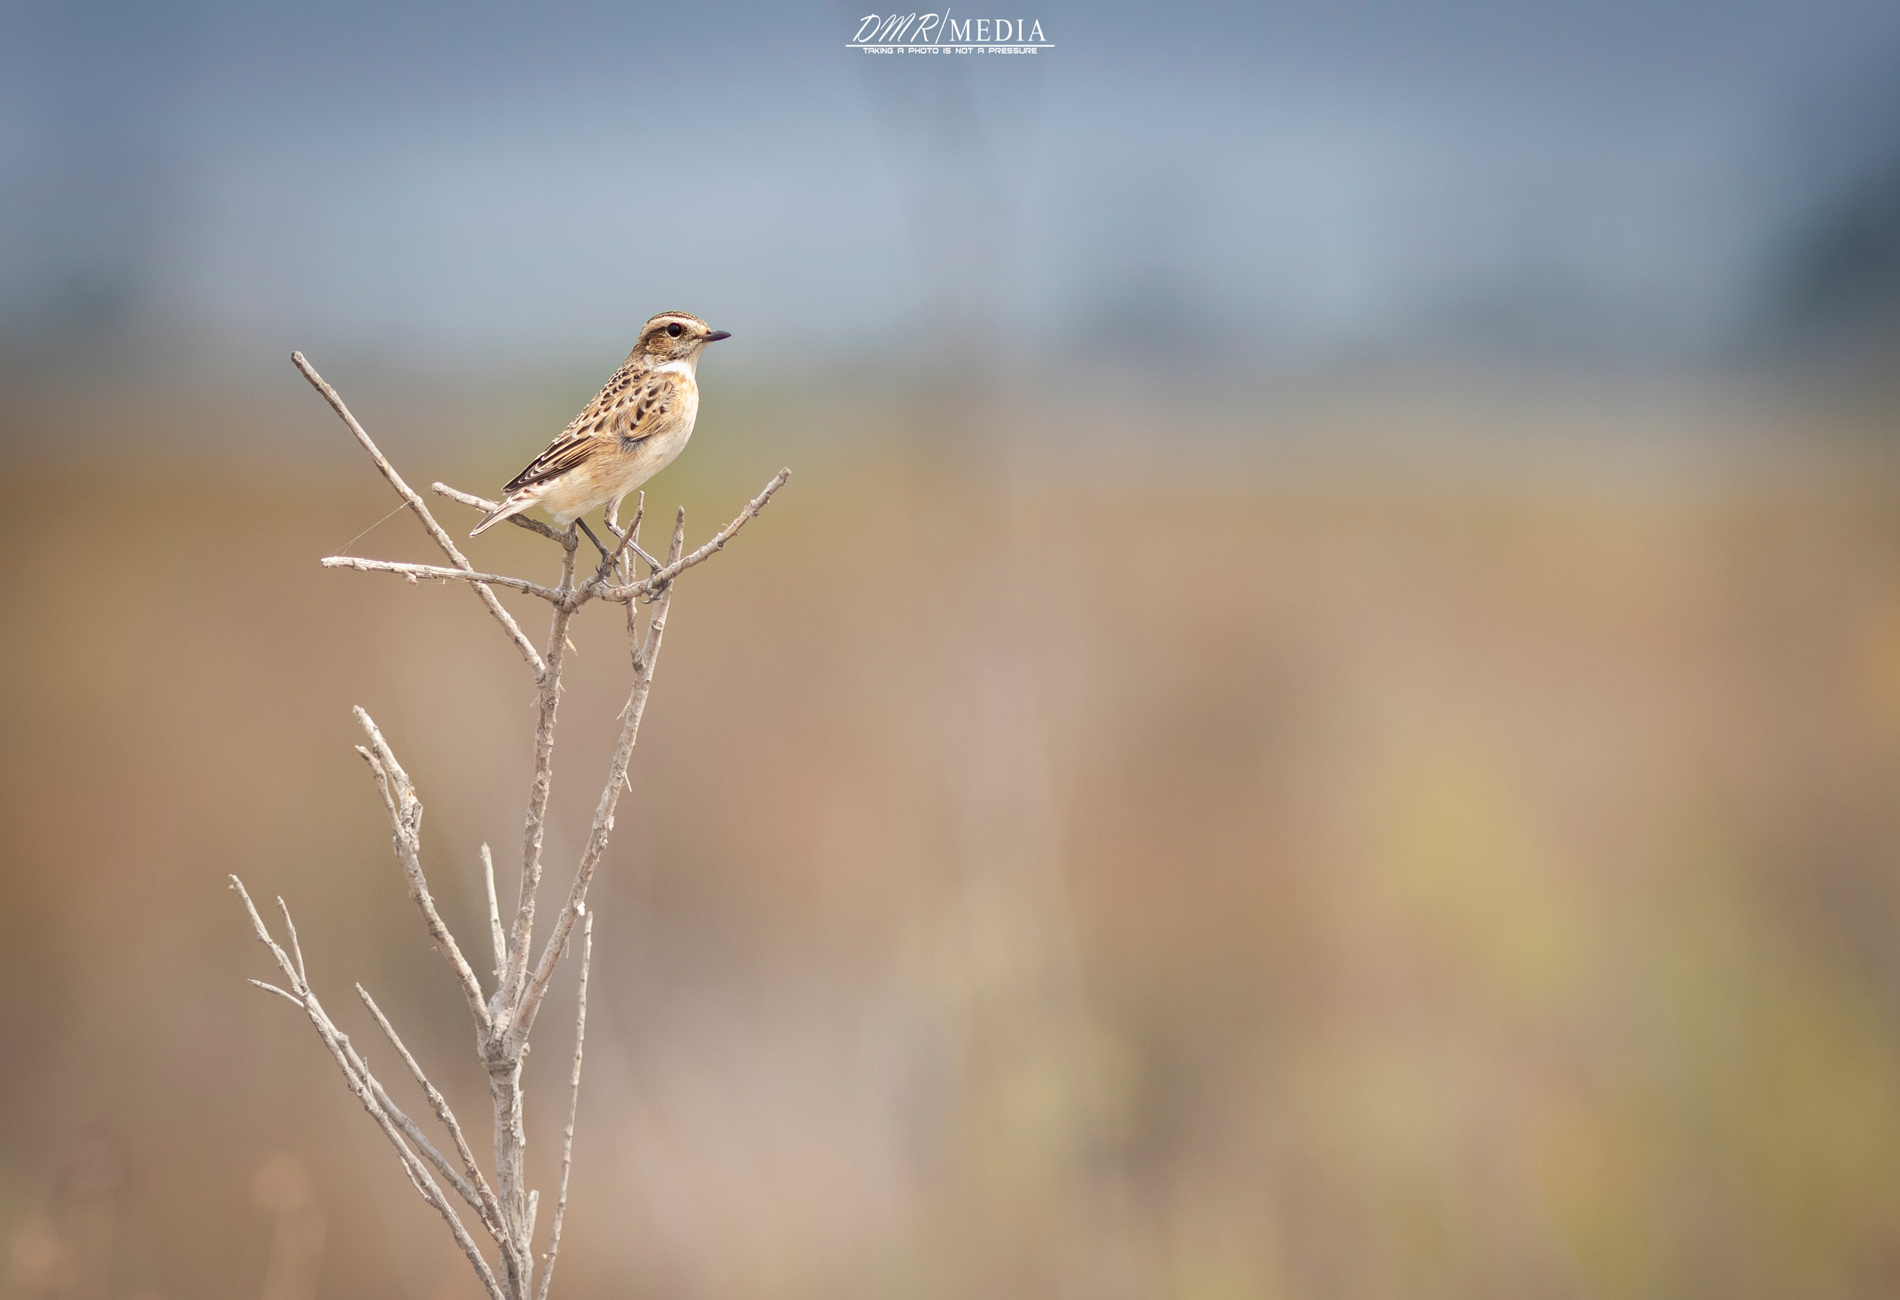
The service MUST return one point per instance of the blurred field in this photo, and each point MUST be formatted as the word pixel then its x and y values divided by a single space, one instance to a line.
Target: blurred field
pixel 1377 864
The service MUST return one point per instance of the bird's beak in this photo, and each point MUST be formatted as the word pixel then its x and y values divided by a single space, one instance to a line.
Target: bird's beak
pixel 716 335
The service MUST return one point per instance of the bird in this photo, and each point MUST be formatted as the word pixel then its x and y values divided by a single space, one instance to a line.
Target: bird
pixel 636 424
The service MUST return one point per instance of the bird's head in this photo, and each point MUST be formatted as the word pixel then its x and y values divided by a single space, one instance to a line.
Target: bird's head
pixel 675 336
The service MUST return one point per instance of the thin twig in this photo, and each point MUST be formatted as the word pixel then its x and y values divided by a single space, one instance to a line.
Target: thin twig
pixel 414 1133
pixel 646 658
pixel 295 947
pixel 365 1093
pixel 482 1194
pixel 676 566
pixel 496 934
pixel 437 572
pixel 408 494
pixel 573 1108
pixel 628 540
pixel 632 534
pixel 304 999
pixel 263 937
pixel 540 784
pixel 405 816
pixel 272 988
pixel 418 1174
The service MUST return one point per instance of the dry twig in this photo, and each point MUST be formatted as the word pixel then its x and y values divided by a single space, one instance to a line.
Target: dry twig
pixel 366 1090
pixel 414 502
pixel 573 1107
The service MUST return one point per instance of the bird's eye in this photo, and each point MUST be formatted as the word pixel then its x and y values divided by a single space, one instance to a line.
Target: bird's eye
pixel 674 329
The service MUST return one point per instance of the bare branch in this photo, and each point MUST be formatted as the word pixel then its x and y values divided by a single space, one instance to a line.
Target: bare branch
pixel 629 540
pixel 646 657
pixel 365 1089
pixel 414 1133
pixel 675 565
pixel 633 525
pixel 539 785
pixel 480 1195
pixel 263 937
pixel 295 947
pixel 415 503
pixel 272 988
pixel 573 1108
pixel 405 816
pixel 367 1093
pixel 436 572
pixel 489 507
pixel 496 934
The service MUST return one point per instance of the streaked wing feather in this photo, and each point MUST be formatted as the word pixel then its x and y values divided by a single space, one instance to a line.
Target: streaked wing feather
pixel 627 409
pixel 561 456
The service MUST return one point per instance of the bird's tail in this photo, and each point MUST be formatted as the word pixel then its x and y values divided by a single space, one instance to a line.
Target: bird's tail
pixel 512 506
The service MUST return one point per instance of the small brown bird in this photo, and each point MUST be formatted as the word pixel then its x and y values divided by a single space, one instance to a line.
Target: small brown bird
pixel 635 426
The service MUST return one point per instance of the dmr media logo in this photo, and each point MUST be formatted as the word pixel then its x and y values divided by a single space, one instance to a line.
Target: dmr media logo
pixel 942 34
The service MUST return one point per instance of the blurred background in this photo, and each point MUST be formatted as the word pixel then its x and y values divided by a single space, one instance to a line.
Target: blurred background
pixel 1320 717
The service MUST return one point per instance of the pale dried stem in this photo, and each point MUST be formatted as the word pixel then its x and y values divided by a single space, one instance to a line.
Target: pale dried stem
pixel 272 988
pixel 415 503
pixel 633 525
pixel 365 1092
pixel 480 1194
pixel 573 1107
pixel 646 657
pixel 436 573
pixel 540 783
pixel 676 565
pixel 295 947
pixel 414 1133
pixel 503 1052
pixel 511 1141
pixel 405 818
pixel 496 934
pixel 598 585
pixel 301 981
pixel 628 540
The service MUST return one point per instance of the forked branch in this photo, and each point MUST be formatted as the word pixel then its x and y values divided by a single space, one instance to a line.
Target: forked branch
pixel 366 1090
pixel 405 819
pixel 573 1108
pixel 646 655
pixel 414 502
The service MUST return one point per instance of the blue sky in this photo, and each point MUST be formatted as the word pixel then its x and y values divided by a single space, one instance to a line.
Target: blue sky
pixel 1289 182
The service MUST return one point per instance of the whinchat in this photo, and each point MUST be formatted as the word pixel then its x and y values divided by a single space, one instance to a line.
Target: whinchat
pixel 635 426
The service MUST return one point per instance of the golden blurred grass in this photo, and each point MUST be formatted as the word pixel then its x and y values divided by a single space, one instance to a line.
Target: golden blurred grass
pixel 1404 869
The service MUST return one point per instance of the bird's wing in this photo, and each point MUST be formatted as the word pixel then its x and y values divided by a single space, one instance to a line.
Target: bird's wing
pixel 626 410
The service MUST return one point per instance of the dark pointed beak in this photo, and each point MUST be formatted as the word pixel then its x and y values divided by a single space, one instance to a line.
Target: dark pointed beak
pixel 716 335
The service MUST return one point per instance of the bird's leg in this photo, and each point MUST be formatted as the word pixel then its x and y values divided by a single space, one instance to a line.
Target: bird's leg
pixel 635 547
pixel 605 554
pixel 606 558
pixel 609 562
pixel 652 563
pixel 611 518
